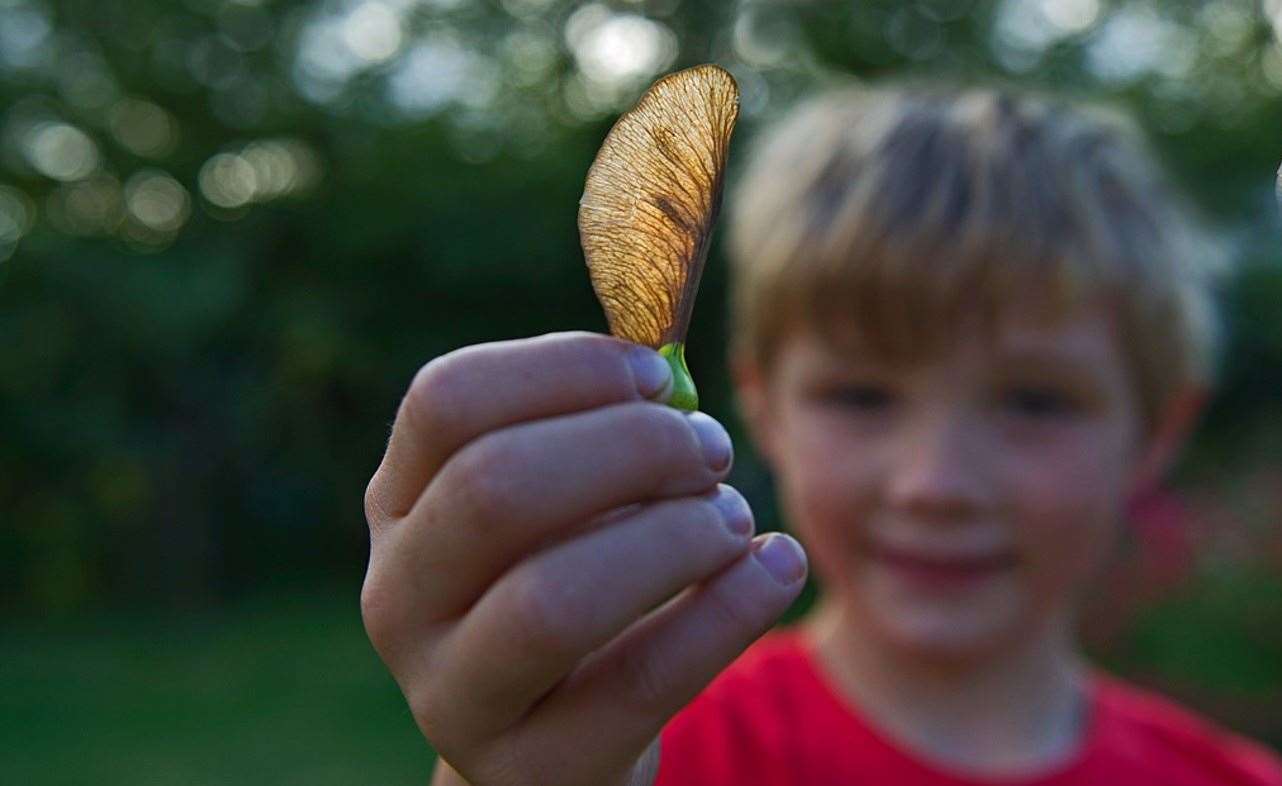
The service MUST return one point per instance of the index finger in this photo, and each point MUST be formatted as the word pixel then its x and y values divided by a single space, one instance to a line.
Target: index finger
pixel 459 396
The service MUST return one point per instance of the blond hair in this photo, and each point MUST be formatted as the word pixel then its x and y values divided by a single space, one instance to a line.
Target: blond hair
pixel 900 210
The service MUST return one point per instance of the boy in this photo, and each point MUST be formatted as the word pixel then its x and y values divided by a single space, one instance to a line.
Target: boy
pixel 969 329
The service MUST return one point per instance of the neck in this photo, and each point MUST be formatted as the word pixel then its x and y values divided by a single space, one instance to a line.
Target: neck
pixel 1020 711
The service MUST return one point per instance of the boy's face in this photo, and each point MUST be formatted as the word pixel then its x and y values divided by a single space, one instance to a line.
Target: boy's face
pixel 959 504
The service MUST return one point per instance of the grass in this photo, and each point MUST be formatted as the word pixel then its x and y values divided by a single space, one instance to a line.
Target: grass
pixel 278 690
pixel 285 689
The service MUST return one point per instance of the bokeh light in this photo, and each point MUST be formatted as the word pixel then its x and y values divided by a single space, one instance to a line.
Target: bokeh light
pixel 616 49
pixel 17 216
pixel 530 54
pixel 1071 16
pixel 91 207
pixel 1136 41
pixel 61 151
pixel 157 206
pixel 336 44
pixel 1227 25
pixel 277 168
pixel 227 180
pixel 263 170
pixel 764 39
pixel 438 71
pixel 515 75
pixel 331 192
pixel 24 34
pixel 143 128
pixel 372 32
pixel 1025 29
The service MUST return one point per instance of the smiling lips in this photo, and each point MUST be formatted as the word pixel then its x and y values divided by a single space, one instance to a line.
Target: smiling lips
pixel 934 568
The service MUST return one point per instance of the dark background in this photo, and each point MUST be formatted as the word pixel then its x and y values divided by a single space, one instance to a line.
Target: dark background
pixel 232 230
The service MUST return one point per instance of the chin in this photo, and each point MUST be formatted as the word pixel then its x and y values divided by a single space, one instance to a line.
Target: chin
pixel 963 625
pixel 925 637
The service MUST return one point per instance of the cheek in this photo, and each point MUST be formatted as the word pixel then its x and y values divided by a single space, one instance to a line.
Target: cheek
pixel 825 500
pixel 1067 522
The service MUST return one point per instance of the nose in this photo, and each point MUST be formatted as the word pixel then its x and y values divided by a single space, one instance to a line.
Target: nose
pixel 940 470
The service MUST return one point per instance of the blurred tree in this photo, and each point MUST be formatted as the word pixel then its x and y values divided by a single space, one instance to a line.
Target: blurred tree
pixel 231 230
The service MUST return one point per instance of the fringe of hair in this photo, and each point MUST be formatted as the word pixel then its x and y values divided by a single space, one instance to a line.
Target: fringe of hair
pixel 896 212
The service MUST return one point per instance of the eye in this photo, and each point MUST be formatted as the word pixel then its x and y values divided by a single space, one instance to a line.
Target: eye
pixel 860 397
pixel 1040 402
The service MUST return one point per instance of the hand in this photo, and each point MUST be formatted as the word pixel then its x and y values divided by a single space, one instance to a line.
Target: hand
pixel 554 568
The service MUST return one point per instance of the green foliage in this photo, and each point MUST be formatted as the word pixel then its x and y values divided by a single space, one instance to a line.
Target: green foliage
pixel 227 697
pixel 1189 639
pixel 208 326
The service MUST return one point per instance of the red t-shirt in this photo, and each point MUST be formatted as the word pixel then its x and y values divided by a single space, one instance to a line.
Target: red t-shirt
pixel 773 719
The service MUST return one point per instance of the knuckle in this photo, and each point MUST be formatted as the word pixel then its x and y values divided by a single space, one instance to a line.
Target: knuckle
pixel 662 432
pixel 375 514
pixel 480 480
pixel 732 612
pixel 433 701
pixel 429 710
pixel 724 543
pixel 594 363
pixel 707 519
pixel 378 613
pixel 647 679
pixel 432 393
pixel 693 527
pixel 521 763
pixel 547 614
pixel 585 341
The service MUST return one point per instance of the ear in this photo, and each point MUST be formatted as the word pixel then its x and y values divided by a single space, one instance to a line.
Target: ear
pixel 753 403
pixel 1175 422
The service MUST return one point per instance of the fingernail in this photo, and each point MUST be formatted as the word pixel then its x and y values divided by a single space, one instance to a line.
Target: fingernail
pixel 782 558
pixel 715 440
pixel 650 372
pixel 734 510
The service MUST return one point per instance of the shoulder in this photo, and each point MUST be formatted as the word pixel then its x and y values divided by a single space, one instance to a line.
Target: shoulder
pixel 1139 724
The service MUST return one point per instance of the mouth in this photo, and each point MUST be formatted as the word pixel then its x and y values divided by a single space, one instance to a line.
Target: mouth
pixel 932 567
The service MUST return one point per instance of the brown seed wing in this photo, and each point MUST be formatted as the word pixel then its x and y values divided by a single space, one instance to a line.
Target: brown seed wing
pixel 650 201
